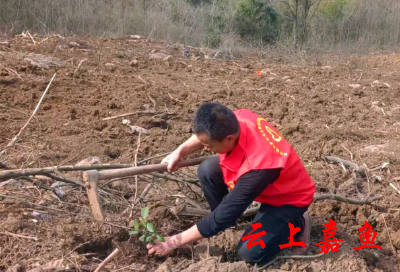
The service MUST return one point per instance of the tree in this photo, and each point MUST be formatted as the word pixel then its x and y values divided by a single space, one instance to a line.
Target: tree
pixel 300 12
pixel 257 18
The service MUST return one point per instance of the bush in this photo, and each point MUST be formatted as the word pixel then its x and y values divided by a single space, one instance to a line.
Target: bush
pixel 198 2
pixel 146 229
pixel 257 19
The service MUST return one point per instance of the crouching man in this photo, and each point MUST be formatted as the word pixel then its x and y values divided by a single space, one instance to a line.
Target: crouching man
pixel 257 164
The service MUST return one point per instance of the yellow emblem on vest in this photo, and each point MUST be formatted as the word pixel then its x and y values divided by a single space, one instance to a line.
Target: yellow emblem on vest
pixel 231 184
pixel 275 136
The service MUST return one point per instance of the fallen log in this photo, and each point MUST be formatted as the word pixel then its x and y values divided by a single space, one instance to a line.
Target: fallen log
pixel 6 174
pixel 14 173
pixel 196 212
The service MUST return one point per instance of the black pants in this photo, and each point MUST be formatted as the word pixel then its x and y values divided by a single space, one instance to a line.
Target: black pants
pixel 274 220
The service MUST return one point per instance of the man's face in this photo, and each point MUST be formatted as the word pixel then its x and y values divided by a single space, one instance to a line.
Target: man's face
pixel 221 147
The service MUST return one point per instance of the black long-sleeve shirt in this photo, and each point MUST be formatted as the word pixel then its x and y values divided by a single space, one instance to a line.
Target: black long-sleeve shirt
pixel 247 188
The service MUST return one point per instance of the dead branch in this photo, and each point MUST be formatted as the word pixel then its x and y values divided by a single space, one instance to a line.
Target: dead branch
pixel 154 157
pixel 174 99
pixel 129 114
pixel 79 65
pixel 345 148
pixel 12 71
pixel 30 36
pixel 142 80
pixel 193 182
pixel 361 201
pixel 19 236
pixel 77 155
pixel 229 90
pixel 196 212
pixel 66 168
pixel 189 211
pixel 24 201
pixel 11 143
pixel 188 200
pixel 115 253
pixel 349 164
pixel 72 182
pixel 259 89
pixel 142 195
pixel 394 187
pixel 291 257
pixel 152 101
pixel 390 239
pixel 37 185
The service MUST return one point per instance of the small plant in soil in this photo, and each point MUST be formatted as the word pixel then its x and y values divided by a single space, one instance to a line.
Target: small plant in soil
pixel 145 228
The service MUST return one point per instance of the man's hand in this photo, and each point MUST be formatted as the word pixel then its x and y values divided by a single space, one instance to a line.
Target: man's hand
pixel 172 159
pixel 162 248
pixel 191 145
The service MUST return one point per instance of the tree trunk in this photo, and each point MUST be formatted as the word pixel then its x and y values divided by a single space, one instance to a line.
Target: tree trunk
pixel 295 18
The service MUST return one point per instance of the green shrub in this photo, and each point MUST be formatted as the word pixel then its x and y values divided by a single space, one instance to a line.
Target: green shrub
pixel 145 228
pixel 257 19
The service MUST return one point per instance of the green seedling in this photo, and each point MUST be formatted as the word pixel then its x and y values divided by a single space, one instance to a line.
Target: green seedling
pixel 145 228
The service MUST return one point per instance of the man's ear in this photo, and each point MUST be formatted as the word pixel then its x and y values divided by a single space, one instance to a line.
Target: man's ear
pixel 230 138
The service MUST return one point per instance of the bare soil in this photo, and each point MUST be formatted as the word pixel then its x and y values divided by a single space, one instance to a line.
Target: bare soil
pixel 311 104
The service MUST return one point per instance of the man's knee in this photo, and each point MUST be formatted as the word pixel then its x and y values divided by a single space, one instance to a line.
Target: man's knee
pixel 256 254
pixel 249 255
pixel 208 168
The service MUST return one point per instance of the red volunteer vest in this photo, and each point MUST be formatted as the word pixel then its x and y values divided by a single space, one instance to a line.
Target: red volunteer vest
pixel 260 146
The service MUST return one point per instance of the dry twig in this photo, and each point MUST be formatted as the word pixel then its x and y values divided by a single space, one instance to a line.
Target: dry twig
pixel 12 71
pixel 152 101
pixel 136 177
pixel 390 239
pixel 11 143
pixel 349 164
pixel 115 253
pixel 174 99
pixel 229 89
pixel 394 187
pixel 193 182
pixel 30 36
pixel 259 89
pixel 77 155
pixel 79 65
pixel 142 80
pixel 24 201
pixel 19 236
pixel 345 148
pixel 188 200
pixel 128 114
pixel 291 257
pixel 153 157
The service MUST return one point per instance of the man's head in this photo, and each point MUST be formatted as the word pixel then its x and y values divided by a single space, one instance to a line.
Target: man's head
pixel 217 127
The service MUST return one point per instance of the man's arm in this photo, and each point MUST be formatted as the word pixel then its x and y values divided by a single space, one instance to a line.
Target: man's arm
pixel 191 145
pixel 247 188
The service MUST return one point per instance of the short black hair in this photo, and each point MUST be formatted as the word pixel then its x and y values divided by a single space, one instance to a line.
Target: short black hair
pixel 216 121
